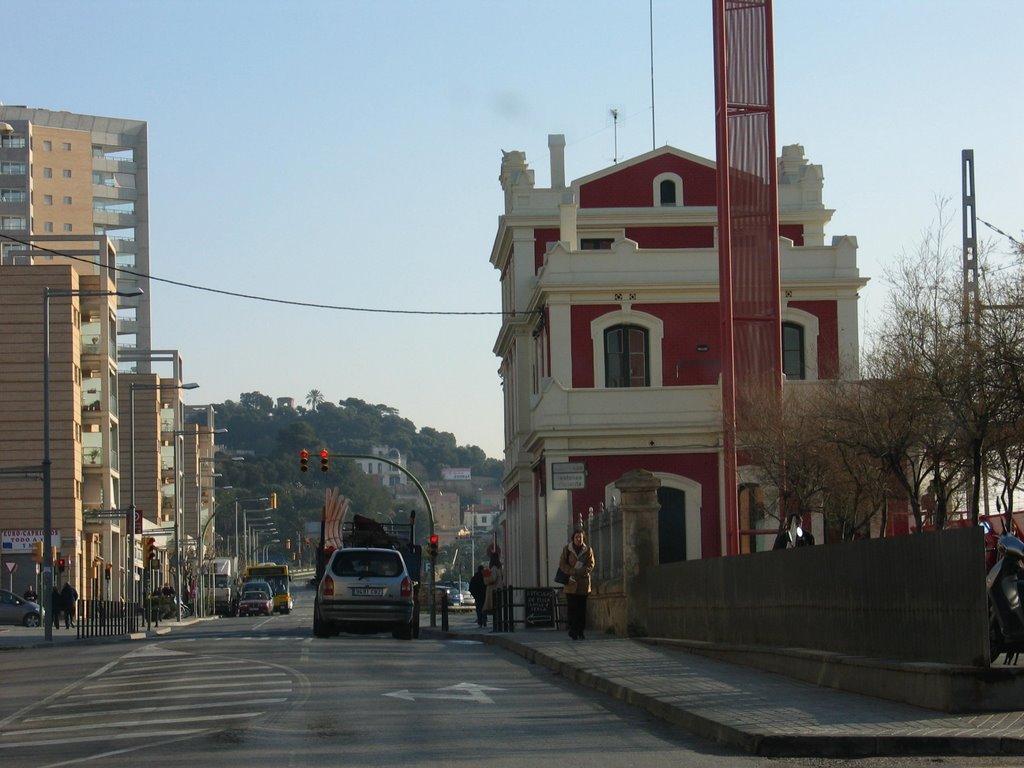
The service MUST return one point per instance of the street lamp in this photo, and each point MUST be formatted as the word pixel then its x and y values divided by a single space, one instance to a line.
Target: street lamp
pixel 200 534
pixel 241 502
pixel 248 524
pixel 49 293
pixel 131 454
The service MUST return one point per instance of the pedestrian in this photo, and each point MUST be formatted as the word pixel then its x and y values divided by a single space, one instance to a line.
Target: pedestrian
pixel 30 594
pixel 492 583
pixel 69 598
pixel 794 535
pixel 577 562
pixel 478 590
pixel 56 604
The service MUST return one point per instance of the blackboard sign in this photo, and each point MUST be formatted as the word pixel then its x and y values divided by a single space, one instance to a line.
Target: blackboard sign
pixel 540 607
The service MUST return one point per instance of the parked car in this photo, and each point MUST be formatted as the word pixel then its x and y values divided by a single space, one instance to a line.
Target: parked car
pixel 365 589
pixel 257 599
pixel 18 610
pixel 454 595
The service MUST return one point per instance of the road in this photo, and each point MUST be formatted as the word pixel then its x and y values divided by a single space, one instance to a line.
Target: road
pixel 263 691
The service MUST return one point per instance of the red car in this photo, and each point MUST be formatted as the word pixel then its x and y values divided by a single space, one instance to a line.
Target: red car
pixel 257 600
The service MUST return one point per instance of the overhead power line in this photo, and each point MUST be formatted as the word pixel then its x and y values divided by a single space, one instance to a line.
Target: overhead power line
pixel 254 297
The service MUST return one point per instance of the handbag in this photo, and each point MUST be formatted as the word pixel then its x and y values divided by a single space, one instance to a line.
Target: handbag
pixel 561 577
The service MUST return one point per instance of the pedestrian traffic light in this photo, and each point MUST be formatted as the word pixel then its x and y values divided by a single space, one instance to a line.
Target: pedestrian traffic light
pixel 304 460
pixel 106 571
pixel 273 501
pixel 37 551
pixel 432 547
pixel 325 459
pixel 62 565
pixel 151 553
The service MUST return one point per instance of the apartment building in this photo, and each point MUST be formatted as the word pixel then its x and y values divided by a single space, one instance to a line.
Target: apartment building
pixel 65 173
pixel 84 418
pixel 610 344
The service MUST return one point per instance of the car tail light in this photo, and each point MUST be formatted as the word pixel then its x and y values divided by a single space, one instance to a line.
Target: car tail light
pixel 406 587
pixel 327 589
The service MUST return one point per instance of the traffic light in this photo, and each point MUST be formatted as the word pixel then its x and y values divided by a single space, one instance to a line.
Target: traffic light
pixel 304 460
pixel 325 459
pixel 106 571
pixel 273 501
pixel 151 555
pixel 62 565
pixel 432 547
pixel 37 551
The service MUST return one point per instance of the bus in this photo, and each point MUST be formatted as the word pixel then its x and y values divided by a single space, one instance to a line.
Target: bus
pixel 278 579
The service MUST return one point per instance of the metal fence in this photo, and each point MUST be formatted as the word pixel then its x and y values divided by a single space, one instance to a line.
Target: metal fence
pixel 604 532
pixel 101 618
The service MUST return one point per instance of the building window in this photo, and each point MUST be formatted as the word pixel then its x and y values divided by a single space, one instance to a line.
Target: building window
pixel 12 142
pixel 793 351
pixel 595 244
pixel 12 222
pixel 47 173
pixel 66 146
pixel 67 199
pixel 668 190
pixel 47 199
pixel 12 196
pixel 47 226
pixel 12 169
pixel 671 525
pixel 67 227
pixel 47 145
pixel 66 173
pixel 625 357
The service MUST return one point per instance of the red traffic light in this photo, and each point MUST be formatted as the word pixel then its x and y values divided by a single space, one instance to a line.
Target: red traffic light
pixel 433 539
pixel 325 458
pixel 304 461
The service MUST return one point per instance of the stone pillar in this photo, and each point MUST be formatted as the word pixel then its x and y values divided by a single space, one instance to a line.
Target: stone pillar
pixel 639 506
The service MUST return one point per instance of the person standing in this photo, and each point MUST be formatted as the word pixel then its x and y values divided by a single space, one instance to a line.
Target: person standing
pixel 478 590
pixel 492 582
pixel 68 598
pixel 56 603
pixel 577 562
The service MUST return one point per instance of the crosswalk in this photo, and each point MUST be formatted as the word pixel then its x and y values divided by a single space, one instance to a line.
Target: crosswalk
pixel 148 695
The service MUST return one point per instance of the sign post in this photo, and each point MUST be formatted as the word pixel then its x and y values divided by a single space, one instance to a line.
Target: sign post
pixel 11 567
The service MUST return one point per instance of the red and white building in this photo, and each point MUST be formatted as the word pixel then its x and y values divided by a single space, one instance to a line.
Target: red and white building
pixel 610 343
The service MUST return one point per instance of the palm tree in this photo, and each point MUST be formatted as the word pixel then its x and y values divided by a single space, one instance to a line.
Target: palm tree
pixel 314 398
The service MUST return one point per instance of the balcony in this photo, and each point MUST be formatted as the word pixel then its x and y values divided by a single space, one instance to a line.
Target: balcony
pixel 642 410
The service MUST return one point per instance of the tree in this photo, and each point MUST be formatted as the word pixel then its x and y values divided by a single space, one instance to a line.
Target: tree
pixel 314 398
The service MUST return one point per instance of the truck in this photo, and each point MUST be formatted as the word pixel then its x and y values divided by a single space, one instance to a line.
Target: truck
pixel 225 585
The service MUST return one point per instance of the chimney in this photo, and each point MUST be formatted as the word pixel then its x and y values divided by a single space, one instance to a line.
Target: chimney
pixel 556 145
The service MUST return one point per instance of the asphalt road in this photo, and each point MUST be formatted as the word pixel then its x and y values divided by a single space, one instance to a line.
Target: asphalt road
pixel 264 692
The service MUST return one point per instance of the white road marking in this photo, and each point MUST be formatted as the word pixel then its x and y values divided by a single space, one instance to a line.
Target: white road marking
pixel 464 691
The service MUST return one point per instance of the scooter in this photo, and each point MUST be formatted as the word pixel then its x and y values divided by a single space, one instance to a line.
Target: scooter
pixel 1005 586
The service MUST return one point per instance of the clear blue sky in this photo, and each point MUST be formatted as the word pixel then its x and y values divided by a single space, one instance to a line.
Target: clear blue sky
pixel 347 153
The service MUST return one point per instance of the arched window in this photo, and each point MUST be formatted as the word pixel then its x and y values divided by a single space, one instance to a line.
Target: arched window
pixel 668 190
pixel 667 193
pixel 793 360
pixel 625 357
pixel 671 525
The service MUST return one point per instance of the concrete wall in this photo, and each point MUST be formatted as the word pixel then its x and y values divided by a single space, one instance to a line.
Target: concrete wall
pixel 917 598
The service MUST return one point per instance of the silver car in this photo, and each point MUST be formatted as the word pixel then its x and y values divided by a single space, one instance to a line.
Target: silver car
pixel 18 610
pixel 365 590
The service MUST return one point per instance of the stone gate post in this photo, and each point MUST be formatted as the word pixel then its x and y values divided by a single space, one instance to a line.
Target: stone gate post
pixel 639 506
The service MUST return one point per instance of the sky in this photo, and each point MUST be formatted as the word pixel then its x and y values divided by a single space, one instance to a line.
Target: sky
pixel 347 153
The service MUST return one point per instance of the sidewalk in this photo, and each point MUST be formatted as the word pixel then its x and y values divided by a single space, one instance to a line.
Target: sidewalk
pixel 17 637
pixel 753 711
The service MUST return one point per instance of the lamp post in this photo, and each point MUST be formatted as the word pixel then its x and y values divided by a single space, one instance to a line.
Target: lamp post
pixel 200 531
pixel 132 387
pixel 247 525
pixel 239 502
pixel 47 465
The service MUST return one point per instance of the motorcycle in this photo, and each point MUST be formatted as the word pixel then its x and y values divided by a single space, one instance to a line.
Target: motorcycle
pixel 1005 587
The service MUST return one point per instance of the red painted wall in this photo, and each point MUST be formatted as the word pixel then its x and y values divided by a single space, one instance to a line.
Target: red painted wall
pixel 633 186
pixel 794 232
pixel 672 237
pixel 686 327
pixel 702 468
pixel 828 335
pixel 541 238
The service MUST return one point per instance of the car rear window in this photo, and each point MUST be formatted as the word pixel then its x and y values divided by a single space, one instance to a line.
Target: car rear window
pixel 367 564
pixel 254 594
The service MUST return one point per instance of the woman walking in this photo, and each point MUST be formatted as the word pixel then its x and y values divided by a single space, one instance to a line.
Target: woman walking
pixel 492 582
pixel 577 562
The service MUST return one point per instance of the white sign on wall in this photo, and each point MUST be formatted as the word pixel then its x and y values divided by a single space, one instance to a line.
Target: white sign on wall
pixel 16 540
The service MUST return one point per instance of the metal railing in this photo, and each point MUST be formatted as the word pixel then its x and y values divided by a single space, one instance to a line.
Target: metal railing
pixel 107 618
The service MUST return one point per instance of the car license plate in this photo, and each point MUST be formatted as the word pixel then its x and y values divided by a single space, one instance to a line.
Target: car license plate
pixel 368 591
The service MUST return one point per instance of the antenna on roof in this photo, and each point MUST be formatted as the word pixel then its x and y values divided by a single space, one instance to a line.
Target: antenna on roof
pixel 654 140
pixel 615 121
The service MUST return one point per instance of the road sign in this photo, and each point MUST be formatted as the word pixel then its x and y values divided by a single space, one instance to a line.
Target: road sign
pixel 138 521
pixel 11 566
pixel 569 476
